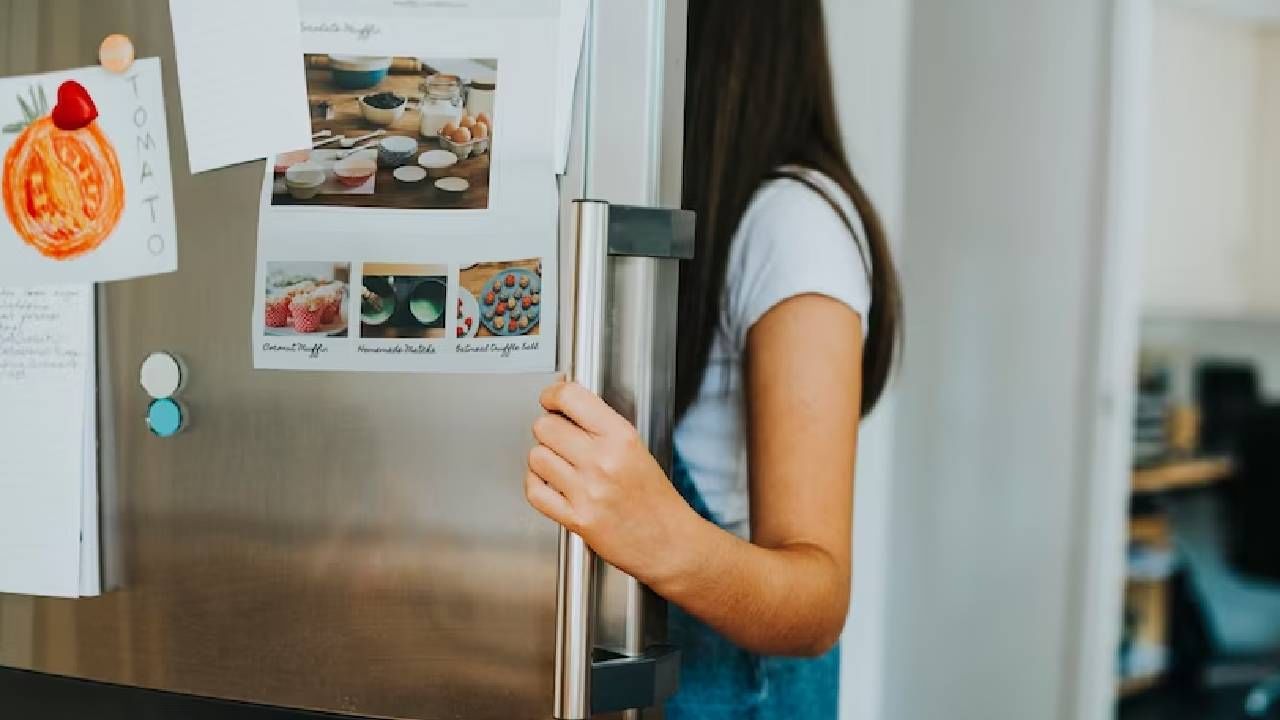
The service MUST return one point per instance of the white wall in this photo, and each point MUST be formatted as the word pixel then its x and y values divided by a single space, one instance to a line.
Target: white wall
pixel 1205 132
pixel 1213 245
pixel 1264 286
pixel 869 56
pixel 1003 210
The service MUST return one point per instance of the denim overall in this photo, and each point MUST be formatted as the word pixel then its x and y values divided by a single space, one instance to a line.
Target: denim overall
pixel 720 681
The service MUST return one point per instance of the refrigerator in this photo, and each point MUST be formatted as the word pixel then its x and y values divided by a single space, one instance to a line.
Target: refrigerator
pixel 359 544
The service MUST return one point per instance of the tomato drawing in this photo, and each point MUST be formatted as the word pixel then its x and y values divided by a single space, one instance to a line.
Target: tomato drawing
pixel 63 190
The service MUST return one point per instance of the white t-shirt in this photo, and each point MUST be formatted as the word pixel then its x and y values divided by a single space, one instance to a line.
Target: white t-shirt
pixel 790 242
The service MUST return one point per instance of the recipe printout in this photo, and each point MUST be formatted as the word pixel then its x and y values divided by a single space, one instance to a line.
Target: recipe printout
pixel 86 185
pixel 418 232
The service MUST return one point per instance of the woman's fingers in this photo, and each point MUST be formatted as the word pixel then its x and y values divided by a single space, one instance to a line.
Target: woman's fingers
pixel 546 500
pixel 563 437
pixel 554 470
pixel 582 406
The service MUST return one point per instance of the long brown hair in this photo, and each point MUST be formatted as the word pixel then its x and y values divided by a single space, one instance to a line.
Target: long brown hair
pixel 759 98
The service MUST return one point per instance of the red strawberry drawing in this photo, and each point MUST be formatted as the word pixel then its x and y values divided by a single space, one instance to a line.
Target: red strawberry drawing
pixel 75 109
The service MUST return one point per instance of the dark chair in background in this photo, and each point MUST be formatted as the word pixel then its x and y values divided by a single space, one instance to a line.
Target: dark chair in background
pixel 1253 502
pixel 1253 496
pixel 1228 394
pixel 1229 538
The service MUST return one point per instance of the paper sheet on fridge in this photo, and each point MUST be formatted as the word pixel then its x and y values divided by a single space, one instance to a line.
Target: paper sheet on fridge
pixel 90 507
pixel 449 262
pixel 572 31
pixel 46 391
pixel 86 198
pixel 240 78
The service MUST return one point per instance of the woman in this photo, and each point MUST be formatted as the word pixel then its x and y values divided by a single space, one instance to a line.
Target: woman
pixel 789 316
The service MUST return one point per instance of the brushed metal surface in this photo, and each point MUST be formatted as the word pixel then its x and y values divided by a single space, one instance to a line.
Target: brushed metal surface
pixel 345 542
pixel 575 588
pixel 642 338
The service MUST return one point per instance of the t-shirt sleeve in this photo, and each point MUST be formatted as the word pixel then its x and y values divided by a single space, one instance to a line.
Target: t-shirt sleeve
pixel 792 242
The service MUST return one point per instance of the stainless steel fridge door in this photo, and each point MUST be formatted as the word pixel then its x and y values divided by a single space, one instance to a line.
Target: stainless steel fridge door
pixel 346 542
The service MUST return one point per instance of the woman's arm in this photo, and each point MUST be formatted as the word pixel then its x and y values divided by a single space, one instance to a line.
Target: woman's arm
pixel 786 592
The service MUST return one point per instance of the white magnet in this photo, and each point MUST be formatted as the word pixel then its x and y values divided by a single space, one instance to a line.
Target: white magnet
pixel 162 375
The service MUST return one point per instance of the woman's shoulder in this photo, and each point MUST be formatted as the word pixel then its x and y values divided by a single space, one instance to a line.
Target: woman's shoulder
pixel 801 234
pixel 802 215
pixel 801 207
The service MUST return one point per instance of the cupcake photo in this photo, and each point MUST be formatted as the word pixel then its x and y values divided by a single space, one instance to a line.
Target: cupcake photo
pixel 306 298
pixel 308 309
pixel 332 295
pixel 278 311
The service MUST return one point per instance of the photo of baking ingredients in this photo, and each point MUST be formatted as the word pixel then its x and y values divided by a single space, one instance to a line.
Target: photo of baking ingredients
pixel 399 301
pixel 393 132
pixel 500 299
pixel 306 299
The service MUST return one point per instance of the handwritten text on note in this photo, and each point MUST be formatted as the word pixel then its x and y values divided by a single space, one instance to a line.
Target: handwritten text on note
pixel 43 332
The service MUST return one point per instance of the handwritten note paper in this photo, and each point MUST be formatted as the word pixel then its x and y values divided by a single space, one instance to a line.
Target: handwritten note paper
pixel 37 341
pixel 46 476
pixel 243 85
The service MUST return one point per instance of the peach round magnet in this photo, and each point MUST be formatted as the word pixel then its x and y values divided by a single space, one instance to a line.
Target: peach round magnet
pixel 116 53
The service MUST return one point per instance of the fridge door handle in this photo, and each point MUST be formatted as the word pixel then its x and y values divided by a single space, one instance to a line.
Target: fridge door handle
pixel 575 619
pixel 647 676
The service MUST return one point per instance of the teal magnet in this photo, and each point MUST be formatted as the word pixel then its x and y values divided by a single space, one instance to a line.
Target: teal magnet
pixel 166 417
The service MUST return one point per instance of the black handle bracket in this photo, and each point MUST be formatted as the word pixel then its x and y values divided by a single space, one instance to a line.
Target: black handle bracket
pixel 651 232
pixel 619 682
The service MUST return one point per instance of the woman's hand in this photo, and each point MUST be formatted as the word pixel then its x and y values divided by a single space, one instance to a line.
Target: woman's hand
pixel 786 592
pixel 591 473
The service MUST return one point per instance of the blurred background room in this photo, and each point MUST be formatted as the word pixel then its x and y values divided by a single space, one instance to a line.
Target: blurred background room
pixel 1201 625
pixel 1076 516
